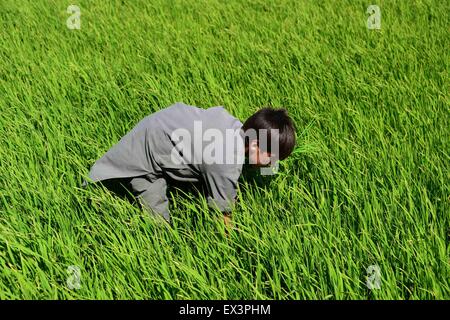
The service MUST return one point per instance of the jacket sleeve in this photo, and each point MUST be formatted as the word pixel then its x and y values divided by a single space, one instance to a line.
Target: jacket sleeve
pixel 221 183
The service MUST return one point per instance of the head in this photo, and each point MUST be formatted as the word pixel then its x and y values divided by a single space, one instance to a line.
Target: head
pixel 269 136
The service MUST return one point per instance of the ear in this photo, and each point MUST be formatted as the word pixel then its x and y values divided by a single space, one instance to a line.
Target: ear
pixel 253 145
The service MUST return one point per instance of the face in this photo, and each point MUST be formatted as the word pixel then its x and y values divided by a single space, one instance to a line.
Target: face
pixel 256 156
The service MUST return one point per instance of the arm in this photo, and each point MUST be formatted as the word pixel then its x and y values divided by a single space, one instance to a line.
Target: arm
pixel 221 184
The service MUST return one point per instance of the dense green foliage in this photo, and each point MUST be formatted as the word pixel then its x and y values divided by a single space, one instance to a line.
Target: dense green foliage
pixel 368 183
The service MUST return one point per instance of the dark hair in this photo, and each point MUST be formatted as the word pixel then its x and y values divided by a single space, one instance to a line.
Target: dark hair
pixel 269 118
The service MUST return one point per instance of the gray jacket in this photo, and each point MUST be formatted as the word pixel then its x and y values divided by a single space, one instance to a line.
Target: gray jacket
pixel 149 149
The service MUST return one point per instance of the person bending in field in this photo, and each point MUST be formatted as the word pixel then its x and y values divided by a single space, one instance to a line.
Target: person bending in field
pixel 184 143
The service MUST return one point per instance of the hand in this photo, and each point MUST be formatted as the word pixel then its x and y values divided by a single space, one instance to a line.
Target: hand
pixel 228 223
